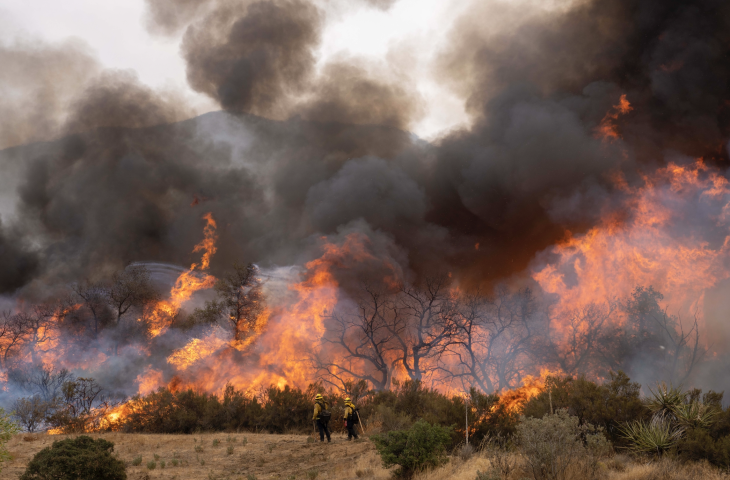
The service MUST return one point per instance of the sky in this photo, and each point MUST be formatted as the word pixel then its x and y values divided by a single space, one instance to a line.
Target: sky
pixel 115 30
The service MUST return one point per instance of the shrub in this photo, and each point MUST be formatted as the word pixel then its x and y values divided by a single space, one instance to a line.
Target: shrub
pixel 137 461
pixel 229 450
pixel 658 435
pixel 423 445
pixel 608 406
pixel 7 430
pixel 555 443
pixel 151 465
pixel 81 458
pixel 699 444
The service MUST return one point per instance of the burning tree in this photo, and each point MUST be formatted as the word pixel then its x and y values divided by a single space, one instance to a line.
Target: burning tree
pixel 239 304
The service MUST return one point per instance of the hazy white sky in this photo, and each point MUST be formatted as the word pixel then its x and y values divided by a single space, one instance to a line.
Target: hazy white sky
pixel 115 30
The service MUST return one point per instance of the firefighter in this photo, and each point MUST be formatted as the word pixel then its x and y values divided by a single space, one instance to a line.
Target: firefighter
pixel 352 418
pixel 321 417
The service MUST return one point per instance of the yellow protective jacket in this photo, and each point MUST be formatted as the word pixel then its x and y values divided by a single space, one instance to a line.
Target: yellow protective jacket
pixel 349 410
pixel 318 408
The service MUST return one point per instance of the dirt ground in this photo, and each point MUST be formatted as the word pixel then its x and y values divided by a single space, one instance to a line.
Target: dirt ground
pixel 222 456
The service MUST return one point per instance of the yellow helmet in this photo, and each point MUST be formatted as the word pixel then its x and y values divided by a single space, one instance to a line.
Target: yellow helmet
pixel 347 400
pixel 318 397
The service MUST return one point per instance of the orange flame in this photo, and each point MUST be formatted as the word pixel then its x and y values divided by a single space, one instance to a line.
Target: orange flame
pixel 607 129
pixel 531 387
pixel 651 247
pixel 188 282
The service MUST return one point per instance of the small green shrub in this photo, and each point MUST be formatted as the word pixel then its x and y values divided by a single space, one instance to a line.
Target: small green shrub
pixel 162 464
pixel 423 445
pixel 244 441
pixel 312 474
pixel 8 428
pixel 657 436
pixel 557 443
pixel 137 461
pixel 151 465
pixel 698 445
pixel 81 458
pixel 251 476
pixel 198 449
pixel 174 462
pixel 202 462
pixel 216 442
pixel 229 450
pixel 157 457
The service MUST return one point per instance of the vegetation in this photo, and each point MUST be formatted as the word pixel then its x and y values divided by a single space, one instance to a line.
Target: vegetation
pixel 7 429
pixel 81 458
pixel 557 443
pixel 423 445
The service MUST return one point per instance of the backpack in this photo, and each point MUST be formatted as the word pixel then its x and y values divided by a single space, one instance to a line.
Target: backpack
pixel 324 413
pixel 355 415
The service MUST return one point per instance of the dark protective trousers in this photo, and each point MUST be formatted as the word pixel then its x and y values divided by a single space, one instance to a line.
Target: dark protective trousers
pixel 324 429
pixel 351 430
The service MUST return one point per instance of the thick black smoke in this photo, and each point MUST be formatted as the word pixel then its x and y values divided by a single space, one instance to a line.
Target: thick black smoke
pixel 120 188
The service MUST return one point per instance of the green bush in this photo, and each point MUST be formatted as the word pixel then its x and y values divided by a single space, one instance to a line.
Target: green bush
pixel 423 445
pixel 609 405
pixel 699 444
pixel 557 445
pixel 81 458
pixel 7 429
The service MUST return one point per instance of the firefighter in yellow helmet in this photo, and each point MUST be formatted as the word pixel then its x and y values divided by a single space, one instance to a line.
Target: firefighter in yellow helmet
pixel 321 417
pixel 352 418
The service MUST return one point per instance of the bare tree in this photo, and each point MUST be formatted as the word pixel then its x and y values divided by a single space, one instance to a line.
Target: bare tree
pixel 240 302
pixel 584 340
pixel 30 412
pixel 95 297
pixel 494 340
pixel 364 342
pixel 430 317
pixel 14 330
pixel 683 349
pixel 130 288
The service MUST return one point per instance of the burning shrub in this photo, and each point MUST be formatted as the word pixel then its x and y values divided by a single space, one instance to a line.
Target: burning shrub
pixel 423 445
pixel 557 444
pixel 81 458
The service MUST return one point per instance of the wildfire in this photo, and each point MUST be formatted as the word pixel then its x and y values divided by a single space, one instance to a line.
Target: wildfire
pixel 661 243
pixel 607 129
pixel 197 349
pixel 188 282
pixel 531 387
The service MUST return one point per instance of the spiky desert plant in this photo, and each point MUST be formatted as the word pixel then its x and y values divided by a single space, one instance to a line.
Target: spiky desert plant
pixel 695 414
pixel 664 398
pixel 657 436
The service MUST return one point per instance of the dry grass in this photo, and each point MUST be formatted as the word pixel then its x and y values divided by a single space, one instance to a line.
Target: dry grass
pixel 619 467
pixel 263 456
pixel 294 457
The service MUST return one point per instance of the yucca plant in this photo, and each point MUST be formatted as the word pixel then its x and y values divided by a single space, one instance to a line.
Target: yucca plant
pixel 695 414
pixel 657 436
pixel 664 398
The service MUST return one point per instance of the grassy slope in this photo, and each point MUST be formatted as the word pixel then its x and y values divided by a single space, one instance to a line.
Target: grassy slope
pixel 265 456
pixel 284 456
